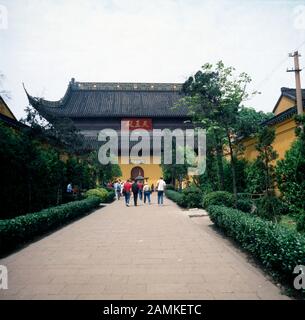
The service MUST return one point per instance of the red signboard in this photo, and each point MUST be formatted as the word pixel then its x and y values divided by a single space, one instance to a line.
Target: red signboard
pixel 136 123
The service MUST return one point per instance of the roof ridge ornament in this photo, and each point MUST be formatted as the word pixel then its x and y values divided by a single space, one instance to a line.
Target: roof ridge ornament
pixel 127 86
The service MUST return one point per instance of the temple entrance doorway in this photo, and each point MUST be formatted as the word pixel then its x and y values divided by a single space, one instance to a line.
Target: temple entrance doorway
pixel 136 171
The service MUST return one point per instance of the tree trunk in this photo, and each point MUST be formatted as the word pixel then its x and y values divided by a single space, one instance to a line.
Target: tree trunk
pixel 180 183
pixel 233 168
pixel 267 181
pixel 29 194
pixel 219 155
pixel 173 178
pixel 59 195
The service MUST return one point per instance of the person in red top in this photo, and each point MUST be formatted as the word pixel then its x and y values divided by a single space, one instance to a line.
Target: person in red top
pixel 126 191
pixel 140 186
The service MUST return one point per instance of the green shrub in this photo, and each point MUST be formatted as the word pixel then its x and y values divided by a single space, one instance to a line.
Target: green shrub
pixel 98 192
pixel 301 221
pixel 270 207
pixel 245 205
pixel 170 187
pixel 290 174
pixel 255 177
pixel 240 167
pixel 110 196
pixel 279 249
pixel 14 232
pixel 173 195
pixel 191 197
pixel 206 187
pixel 218 198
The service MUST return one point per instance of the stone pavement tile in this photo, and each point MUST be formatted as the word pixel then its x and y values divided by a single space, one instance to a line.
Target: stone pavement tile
pixel 12 290
pixel 95 270
pixel 269 292
pixel 23 296
pixel 198 288
pixel 230 286
pixel 42 289
pixel 170 296
pixel 107 279
pixel 78 289
pixel 146 252
pixel 169 288
pixel 166 278
pixel 129 288
pixel 100 297
pixel 55 297
pixel 235 296
pixel 27 277
pixel 66 279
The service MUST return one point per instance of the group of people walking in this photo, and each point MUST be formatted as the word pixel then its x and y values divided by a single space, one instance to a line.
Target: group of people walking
pixel 139 191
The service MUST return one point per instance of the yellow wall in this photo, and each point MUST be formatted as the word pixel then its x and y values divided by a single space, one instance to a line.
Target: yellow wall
pixel 284 137
pixel 151 171
pixel 4 109
pixel 284 133
pixel 284 104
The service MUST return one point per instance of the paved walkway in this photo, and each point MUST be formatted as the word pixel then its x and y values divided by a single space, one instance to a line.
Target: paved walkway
pixel 148 252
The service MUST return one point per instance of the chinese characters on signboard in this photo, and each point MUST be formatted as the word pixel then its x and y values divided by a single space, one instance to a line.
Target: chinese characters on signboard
pixel 136 123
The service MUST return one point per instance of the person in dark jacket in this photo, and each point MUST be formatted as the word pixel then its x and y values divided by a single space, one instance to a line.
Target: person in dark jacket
pixel 135 191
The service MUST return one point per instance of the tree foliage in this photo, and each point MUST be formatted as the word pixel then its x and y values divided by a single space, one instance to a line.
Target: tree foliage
pixel 60 131
pixel 34 176
pixel 249 121
pixel 254 175
pixel 267 155
pixel 214 96
pixel 290 171
pixel 173 172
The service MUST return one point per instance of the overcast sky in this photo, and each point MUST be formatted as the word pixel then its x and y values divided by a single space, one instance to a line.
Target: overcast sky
pixel 47 42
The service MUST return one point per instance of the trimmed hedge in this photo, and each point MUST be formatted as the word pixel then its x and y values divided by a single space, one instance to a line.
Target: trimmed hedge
pixel 244 205
pixel 270 207
pixel 110 196
pixel 279 249
pixel 301 221
pixel 98 192
pixel 105 195
pixel 192 198
pixel 14 232
pixel 174 195
pixel 170 187
pixel 218 198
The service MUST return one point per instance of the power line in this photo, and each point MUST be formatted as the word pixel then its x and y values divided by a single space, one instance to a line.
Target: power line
pixel 262 82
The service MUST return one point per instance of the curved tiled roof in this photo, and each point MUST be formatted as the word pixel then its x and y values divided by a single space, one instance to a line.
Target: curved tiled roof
pixel 291 94
pixel 287 114
pixel 99 99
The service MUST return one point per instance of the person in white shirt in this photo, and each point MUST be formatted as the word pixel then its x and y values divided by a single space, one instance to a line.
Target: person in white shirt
pixel 147 192
pixel 117 189
pixel 160 188
pixel 69 188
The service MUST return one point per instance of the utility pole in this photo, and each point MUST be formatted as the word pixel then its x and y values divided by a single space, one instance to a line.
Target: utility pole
pixel 295 55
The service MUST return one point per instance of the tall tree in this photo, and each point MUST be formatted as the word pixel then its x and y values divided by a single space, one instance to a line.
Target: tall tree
pixel 214 96
pixel 249 121
pixel 290 171
pixel 174 171
pixel 60 130
pixel 266 156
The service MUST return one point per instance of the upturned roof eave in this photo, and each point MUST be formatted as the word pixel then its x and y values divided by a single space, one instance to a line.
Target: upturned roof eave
pixel 60 108
pixel 36 101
